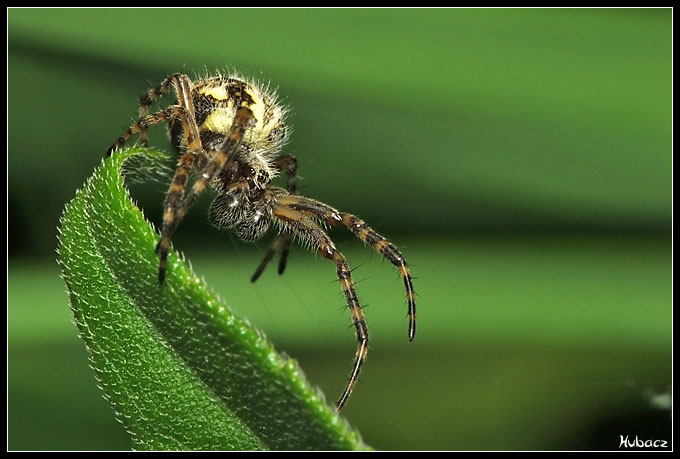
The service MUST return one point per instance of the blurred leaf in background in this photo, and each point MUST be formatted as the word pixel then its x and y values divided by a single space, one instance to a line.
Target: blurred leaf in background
pixel 522 159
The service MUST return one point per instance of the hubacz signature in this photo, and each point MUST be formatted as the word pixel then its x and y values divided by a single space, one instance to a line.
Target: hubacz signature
pixel 637 443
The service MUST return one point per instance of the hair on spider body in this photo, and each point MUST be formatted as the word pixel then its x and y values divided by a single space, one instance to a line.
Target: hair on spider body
pixel 229 133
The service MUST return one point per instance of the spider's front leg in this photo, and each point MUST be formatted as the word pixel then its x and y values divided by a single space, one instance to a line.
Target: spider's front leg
pixel 306 229
pixel 184 112
pixel 175 212
pixel 170 205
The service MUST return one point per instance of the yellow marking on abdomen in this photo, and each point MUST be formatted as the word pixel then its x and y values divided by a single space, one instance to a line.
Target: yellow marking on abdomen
pixel 218 92
pixel 220 120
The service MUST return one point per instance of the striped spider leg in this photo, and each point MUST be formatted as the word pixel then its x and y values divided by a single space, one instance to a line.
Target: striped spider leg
pixel 218 161
pixel 300 215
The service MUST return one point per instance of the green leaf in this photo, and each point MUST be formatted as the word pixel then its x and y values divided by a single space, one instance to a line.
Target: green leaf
pixel 179 369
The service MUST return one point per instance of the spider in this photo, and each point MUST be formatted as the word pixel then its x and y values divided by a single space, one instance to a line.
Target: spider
pixel 229 132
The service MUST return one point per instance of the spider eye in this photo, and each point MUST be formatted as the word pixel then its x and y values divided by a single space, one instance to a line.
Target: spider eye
pixel 263 177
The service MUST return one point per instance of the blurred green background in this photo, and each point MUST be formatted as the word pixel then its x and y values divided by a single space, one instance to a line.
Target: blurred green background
pixel 522 159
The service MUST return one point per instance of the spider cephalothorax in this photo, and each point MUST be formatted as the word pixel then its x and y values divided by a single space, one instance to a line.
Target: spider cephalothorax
pixel 230 132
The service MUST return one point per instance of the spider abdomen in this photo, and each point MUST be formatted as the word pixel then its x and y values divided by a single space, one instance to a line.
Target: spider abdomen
pixel 215 102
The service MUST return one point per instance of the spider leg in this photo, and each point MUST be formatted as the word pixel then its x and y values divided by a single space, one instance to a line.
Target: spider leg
pixel 364 232
pixel 170 113
pixel 219 159
pixel 287 164
pixel 267 257
pixel 192 141
pixel 184 110
pixel 172 201
pixel 182 86
pixel 299 223
pixel 287 241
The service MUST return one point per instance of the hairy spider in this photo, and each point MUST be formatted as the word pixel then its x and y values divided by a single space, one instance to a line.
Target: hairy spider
pixel 229 132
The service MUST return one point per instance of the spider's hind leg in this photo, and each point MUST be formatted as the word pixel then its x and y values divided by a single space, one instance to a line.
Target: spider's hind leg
pixel 380 244
pixel 307 230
